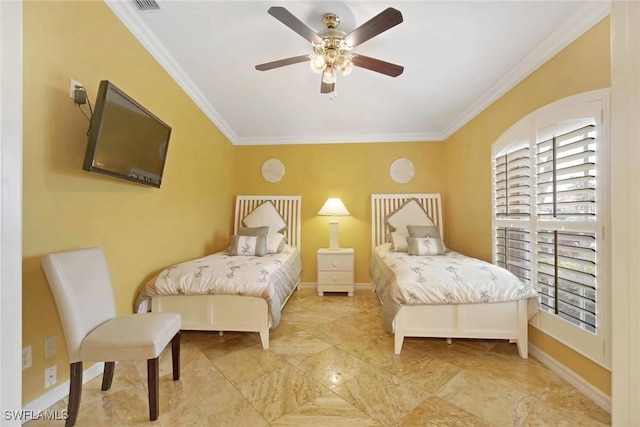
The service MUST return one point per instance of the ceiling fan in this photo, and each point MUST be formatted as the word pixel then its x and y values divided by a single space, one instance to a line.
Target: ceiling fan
pixel 332 47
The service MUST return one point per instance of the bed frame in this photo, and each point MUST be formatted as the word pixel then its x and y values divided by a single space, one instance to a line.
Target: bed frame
pixel 235 312
pixel 501 320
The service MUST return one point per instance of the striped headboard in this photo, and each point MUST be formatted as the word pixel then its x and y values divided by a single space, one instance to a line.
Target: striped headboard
pixel 383 204
pixel 288 207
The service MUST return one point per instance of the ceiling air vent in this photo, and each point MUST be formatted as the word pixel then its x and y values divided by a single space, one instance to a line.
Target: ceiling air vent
pixel 147 5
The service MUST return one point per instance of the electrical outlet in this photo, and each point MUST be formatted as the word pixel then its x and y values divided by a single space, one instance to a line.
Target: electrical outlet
pixel 72 87
pixel 26 357
pixel 50 376
pixel 50 347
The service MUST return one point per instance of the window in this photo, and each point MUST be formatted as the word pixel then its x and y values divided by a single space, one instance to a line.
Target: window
pixel 550 213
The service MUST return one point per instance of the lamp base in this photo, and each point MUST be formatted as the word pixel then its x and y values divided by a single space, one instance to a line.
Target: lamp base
pixel 333 236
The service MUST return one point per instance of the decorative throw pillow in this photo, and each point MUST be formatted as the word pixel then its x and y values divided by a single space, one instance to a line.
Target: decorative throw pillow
pixel 425 246
pixel 426 231
pixel 253 231
pixel 248 245
pixel 410 213
pixel 398 242
pixel 423 231
pixel 275 243
pixel 265 215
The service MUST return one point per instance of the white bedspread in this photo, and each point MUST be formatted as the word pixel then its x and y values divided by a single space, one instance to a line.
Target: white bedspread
pixel 271 277
pixel 402 279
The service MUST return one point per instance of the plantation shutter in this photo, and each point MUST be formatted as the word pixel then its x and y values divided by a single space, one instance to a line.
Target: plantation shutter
pixel 512 184
pixel 512 202
pixel 566 176
pixel 513 251
pixel 566 191
pixel 567 276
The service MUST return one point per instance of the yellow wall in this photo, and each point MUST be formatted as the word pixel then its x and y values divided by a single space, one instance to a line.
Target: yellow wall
pixel 141 229
pixel 582 66
pixel 349 171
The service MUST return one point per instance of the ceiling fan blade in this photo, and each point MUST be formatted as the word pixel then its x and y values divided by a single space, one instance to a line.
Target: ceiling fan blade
pixel 282 62
pixel 377 65
pixel 327 87
pixel 386 19
pixel 288 19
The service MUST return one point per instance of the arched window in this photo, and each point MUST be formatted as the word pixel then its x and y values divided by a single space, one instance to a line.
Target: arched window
pixel 550 215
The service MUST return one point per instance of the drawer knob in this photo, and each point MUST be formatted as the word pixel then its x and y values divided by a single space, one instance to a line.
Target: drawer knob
pixel 335 263
pixel 335 278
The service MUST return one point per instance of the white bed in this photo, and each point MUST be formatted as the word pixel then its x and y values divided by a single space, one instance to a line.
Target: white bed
pixel 487 320
pixel 236 312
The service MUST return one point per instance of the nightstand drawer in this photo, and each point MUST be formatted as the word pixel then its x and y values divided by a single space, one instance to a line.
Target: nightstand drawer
pixel 335 278
pixel 335 262
pixel 335 271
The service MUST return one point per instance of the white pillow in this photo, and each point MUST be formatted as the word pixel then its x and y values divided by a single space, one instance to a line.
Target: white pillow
pixel 410 213
pixel 275 243
pixel 425 246
pixel 399 241
pixel 265 214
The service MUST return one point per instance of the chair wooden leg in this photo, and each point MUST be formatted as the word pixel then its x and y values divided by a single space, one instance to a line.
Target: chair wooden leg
pixel 153 374
pixel 107 376
pixel 75 391
pixel 175 356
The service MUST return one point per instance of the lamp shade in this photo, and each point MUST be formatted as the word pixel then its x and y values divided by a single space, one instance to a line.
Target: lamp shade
pixel 333 206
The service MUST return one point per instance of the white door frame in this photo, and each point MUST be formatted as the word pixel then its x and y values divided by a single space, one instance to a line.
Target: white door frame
pixel 625 209
pixel 10 208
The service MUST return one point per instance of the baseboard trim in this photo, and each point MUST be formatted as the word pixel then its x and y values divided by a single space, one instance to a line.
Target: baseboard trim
pixel 307 285
pixel 60 391
pixel 364 287
pixel 586 388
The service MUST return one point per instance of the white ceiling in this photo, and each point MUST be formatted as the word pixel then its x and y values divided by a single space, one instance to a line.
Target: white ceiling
pixel 459 57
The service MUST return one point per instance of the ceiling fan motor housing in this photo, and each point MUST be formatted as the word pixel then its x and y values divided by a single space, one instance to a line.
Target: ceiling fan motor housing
pixel 333 45
pixel 331 20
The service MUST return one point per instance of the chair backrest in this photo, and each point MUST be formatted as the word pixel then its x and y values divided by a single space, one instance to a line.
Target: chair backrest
pixel 81 287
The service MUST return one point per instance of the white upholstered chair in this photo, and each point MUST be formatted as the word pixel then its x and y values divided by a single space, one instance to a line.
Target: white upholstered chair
pixel 81 286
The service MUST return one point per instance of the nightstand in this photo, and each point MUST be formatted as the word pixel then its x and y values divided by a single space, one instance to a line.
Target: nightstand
pixel 335 271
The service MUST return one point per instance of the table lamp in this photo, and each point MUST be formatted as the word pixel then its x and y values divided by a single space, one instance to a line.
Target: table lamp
pixel 333 206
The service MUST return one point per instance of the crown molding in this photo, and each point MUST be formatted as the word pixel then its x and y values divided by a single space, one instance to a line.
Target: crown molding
pixel 129 16
pixel 585 18
pixel 342 139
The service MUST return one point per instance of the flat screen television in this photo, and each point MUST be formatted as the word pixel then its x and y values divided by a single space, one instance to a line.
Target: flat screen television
pixel 126 140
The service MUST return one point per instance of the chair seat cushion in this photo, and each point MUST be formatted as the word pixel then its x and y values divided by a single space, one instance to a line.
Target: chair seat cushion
pixel 131 337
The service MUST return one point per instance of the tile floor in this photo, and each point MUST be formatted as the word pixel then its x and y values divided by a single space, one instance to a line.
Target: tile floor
pixel 331 364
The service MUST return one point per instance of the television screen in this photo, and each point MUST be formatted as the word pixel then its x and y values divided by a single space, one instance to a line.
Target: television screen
pixel 125 139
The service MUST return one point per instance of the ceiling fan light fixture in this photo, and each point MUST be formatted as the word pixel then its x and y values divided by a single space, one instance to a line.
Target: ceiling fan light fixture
pixel 329 75
pixel 317 63
pixel 346 66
